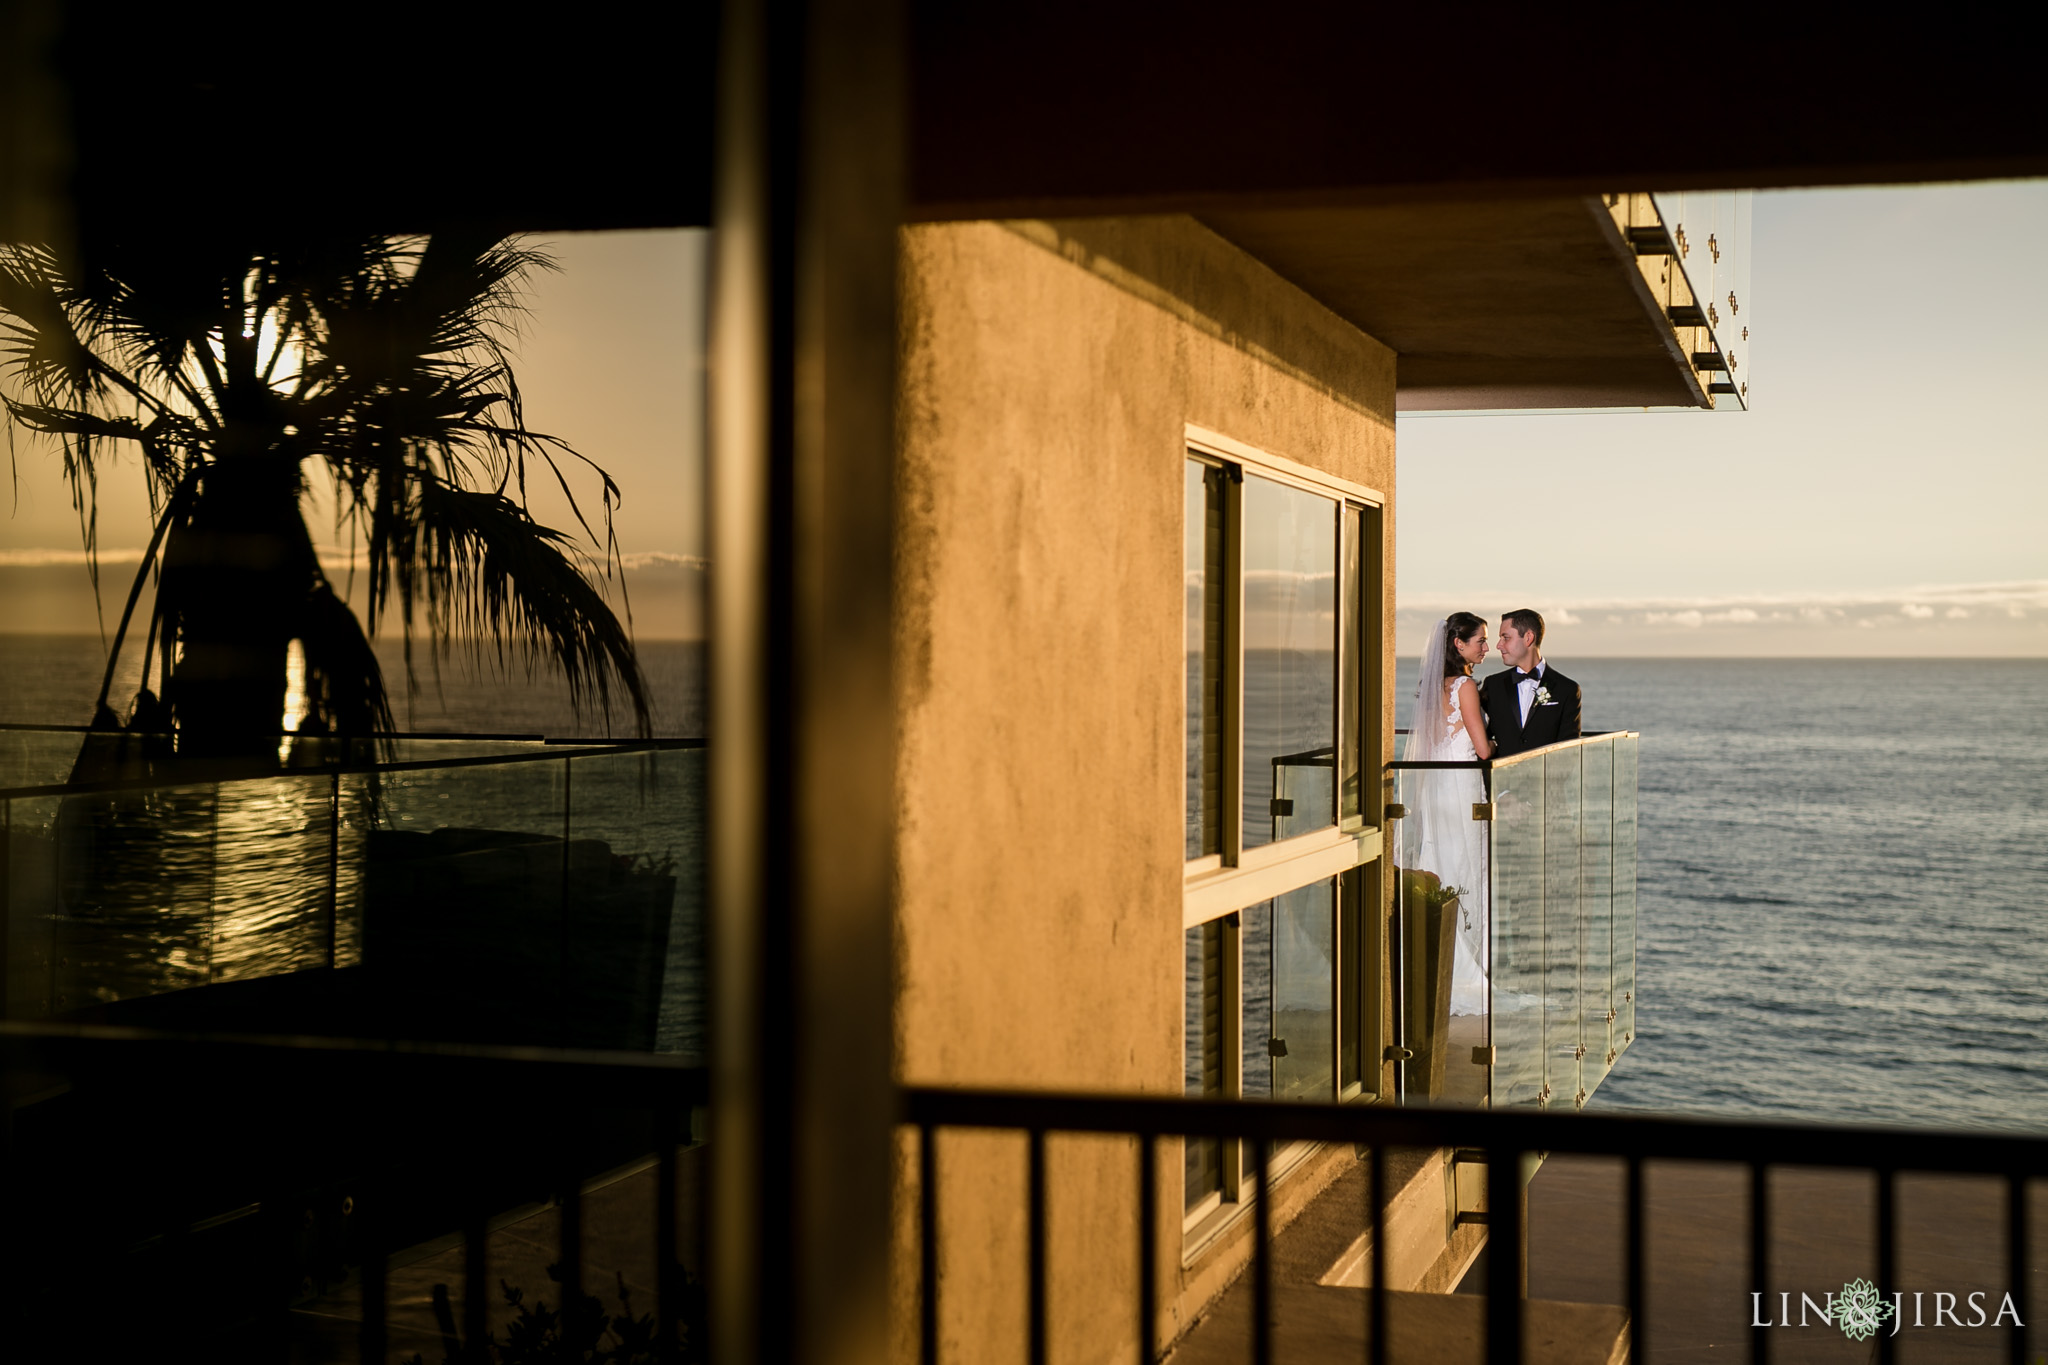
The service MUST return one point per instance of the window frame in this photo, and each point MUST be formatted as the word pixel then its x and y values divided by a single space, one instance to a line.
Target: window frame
pixel 1209 881
pixel 1220 886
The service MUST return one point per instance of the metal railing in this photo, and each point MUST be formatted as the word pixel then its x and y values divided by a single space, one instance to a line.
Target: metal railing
pixel 1544 844
pixel 175 1191
pixel 1506 1138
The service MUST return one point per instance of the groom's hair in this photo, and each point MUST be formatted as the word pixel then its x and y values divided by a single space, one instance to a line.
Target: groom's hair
pixel 1526 621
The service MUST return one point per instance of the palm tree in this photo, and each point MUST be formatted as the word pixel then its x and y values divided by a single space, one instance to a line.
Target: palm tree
pixel 240 371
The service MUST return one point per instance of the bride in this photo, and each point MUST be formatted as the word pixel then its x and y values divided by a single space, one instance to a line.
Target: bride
pixel 1442 837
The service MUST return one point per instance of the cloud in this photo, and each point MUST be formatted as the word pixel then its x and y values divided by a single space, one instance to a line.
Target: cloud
pixel 43 558
pixel 1925 602
pixel 661 559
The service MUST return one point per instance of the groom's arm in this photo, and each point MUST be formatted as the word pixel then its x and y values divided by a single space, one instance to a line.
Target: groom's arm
pixel 1568 724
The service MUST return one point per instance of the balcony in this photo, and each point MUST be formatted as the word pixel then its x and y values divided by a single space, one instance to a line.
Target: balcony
pixel 1518 989
pixel 1692 251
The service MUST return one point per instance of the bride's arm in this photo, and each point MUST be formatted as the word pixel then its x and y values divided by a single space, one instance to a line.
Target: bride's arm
pixel 1475 722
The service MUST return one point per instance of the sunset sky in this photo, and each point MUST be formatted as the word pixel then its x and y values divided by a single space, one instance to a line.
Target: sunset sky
pixel 610 358
pixel 1882 497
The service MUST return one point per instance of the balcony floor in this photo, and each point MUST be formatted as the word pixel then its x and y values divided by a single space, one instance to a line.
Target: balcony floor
pixel 1951 1240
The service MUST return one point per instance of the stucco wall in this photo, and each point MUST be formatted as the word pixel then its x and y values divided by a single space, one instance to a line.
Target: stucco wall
pixel 1048 372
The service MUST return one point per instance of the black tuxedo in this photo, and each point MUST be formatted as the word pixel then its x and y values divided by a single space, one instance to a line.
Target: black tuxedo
pixel 1548 723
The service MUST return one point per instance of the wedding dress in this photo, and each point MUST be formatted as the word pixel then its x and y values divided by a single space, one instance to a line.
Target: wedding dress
pixel 1441 836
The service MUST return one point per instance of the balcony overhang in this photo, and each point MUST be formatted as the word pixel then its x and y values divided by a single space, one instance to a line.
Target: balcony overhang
pixel 1515 304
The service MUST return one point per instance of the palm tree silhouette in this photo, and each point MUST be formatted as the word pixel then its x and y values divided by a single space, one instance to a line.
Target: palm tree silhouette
pixel 241 370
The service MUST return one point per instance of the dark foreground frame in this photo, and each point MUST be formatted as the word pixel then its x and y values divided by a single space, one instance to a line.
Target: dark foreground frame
pixel 1505 1138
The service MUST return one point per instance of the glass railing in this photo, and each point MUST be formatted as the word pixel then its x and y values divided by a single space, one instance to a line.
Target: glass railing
pixel 1516 923
pixel 507 892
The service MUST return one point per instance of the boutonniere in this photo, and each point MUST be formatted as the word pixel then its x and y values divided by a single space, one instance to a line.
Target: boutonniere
pixel 1542 695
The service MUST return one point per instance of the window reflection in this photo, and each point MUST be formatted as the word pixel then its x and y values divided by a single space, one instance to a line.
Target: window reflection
pixel 1203 567
pixel 1255 941
pixel 1204 1050
pixel 1351 681
pixel 1289 994
pixel 1290 720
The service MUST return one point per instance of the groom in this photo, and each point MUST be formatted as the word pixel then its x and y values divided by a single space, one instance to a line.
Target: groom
pixel 1531 704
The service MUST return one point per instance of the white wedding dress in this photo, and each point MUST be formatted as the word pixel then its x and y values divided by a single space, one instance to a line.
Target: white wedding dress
pixel 1443 838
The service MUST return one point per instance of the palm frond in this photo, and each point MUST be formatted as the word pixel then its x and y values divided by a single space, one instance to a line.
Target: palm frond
pixel 345 691
pixel 483 572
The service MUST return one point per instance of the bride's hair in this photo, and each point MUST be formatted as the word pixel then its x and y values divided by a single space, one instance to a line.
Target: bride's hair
pixel 1459 626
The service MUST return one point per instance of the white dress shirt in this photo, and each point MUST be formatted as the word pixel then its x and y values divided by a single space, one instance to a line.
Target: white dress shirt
pixel 1525 690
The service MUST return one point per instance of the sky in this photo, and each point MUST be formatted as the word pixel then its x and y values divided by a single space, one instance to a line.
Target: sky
pixel 610 357
pixel 1883 496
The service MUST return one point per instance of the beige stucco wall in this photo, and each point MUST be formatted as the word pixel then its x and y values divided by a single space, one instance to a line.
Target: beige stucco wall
pixel 1048 372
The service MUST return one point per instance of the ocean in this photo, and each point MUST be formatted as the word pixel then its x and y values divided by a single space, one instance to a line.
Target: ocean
pixel 53 679
pixel 1842 868
pixel 1842 873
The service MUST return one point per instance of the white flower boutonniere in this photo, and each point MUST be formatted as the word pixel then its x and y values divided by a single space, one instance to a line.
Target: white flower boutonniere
pixel 1542 695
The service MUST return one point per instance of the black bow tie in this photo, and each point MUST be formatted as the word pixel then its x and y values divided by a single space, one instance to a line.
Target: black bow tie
pixel 1521 677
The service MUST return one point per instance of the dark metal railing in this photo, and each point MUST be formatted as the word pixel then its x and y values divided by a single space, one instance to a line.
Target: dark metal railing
pixel 409 1141
pixel 1506 1138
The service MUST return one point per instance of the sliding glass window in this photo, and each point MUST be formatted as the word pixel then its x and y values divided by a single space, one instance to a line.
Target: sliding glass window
pixel 1289 661
pixel 1281 629
pixel 1203 589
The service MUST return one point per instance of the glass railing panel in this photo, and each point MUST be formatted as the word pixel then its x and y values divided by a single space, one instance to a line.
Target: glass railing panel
pixel 1203 1059
pixel 1562 917
pixel 1596 901
pixel 1304 992
pixel 1255 1024
pixel 30 882
pixel 1288 699
pixel 1303 787
pixel 1518 959
pixel 1443 857
pixel 37 757
pixel 120 897
pixel 635 934
pixel 1625 752
pixel 462 900
pixel 131 910
pixel 272 846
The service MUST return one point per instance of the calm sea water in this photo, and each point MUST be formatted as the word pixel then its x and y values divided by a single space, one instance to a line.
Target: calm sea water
pixel 53 679
pixel 1843 871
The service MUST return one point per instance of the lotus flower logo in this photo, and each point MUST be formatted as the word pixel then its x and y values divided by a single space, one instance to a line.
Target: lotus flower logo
pixel 1859 1311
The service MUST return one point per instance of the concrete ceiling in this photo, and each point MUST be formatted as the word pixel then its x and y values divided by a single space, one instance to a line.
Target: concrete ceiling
pixel 1527 303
